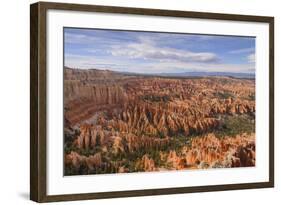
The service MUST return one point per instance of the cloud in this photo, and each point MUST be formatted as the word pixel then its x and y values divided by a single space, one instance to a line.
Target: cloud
pixel 145 52
pixel 200 67
pixel 146 49
pixel 251 58
pixel 74 38
pixel 94 38
pixel 243 50
pixel 86 62
pixel 89 62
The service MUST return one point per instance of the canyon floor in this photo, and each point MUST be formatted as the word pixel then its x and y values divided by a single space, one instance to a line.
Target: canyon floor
pixel 121 122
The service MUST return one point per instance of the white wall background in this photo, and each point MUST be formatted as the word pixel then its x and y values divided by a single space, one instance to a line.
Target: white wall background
pixel 14 101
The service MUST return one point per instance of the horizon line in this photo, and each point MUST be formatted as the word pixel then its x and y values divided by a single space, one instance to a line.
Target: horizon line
pixel 194 71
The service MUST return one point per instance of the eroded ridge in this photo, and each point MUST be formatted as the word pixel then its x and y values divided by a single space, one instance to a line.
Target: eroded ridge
pixel 119 122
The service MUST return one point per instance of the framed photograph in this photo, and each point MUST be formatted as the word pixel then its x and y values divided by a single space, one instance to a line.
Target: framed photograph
pixel 134 102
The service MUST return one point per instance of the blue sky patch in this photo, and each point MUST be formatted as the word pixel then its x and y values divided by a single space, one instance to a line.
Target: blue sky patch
pixel 154 52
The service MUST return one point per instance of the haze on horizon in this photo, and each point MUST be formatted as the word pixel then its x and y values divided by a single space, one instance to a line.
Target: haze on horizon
pixel 154 52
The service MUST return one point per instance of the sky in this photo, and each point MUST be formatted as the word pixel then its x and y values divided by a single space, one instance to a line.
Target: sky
pixel 155 52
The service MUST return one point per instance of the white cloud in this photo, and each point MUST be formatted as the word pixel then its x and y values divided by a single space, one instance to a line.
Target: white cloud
pixel 251 58
pixel 86 62
pixel 146 49
pixel 200 67
pixel 77 38
pixel 148 54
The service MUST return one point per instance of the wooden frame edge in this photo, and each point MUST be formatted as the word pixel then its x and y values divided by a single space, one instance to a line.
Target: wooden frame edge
pixel 38 101
pixel 34 102
pixel 153 12
pixel 271 101
pixel 155 192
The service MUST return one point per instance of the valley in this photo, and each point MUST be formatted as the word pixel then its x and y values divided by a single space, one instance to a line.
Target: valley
pixel 119 123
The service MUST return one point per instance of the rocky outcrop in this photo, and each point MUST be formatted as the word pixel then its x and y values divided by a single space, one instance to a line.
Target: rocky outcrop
pixel 205 152
pixel 94 161
pixel 158 121
pixel 74 159
pixel 176 162
pixel 100 94
pixel 118 146
pixel 90 136
pixel 244 156
pixel 118 122
pixel 212 152
pixel 146 164
pixel 88 91
pixel 168 100
pixel 90 163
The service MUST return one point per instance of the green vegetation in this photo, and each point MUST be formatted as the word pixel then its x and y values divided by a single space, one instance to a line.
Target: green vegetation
pixel 224 95
pixel 177 143
pixel 155 98
pixel 252 97
pixel 237 124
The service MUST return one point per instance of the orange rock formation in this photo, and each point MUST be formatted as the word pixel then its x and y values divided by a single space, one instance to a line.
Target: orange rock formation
pixel 112 118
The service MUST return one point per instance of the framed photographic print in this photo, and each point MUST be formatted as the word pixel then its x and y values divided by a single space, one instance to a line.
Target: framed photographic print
pixel 134 102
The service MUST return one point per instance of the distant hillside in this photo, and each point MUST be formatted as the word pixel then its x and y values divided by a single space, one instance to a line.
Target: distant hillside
pixel 199 74
pixel 106 73
pixel 202 74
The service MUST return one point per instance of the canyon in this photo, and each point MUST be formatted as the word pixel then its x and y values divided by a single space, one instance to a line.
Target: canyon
pixel 118 122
